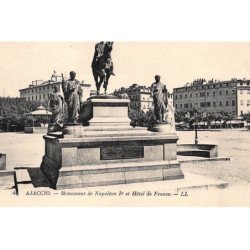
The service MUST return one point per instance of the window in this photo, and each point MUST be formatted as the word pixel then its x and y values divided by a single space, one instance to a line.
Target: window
pixel 233 102
pixel 241 91
pixel 176 97
pixel 185 95
pixel 207 93
pixel 220 92
pixel 241 102
pixel 214 104
pixel 39 97
pixel 181 106
pixel 176 106
pixel 220 103
pixel 36 97
pixel 196 95
pixel 180 96
pixel 201 94
pixel 226 92
pixel 43 96
pixel 226 103
pixel 213 93
pixel 186 105
pixel 208 104
pixel 28 98
pixel 190 95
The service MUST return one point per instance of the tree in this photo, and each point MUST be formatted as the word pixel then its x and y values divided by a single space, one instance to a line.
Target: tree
pixel 13 112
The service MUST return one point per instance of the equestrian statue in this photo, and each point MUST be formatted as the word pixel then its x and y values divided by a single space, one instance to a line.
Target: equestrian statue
pixel 102 65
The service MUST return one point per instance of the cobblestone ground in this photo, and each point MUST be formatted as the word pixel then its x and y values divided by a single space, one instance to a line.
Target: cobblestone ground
pixel 26 150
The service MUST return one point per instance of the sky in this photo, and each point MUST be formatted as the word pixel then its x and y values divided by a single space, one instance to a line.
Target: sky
pixel 134 62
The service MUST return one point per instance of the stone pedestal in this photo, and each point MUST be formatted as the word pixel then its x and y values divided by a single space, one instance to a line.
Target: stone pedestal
pixel 163 128
pixel 105 112
pixel 109 151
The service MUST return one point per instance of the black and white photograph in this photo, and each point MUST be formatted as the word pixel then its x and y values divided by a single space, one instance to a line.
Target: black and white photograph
pixel 125 123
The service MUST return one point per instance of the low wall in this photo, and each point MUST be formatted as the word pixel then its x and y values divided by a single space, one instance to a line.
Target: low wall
pixel 8 180
pixel 2 161
pixel 200 150
pixel 36 130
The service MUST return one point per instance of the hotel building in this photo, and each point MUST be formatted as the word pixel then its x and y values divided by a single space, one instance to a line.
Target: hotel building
pixel 214 96
pixel 40 90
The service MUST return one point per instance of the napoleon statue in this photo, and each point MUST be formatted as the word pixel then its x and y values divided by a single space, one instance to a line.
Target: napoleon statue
pixel 102 65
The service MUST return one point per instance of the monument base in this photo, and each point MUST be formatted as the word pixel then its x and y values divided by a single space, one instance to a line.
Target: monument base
pixel 110 157
pixel 108 150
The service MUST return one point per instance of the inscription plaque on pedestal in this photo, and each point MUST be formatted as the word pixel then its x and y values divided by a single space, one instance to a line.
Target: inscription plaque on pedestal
pixel 122 152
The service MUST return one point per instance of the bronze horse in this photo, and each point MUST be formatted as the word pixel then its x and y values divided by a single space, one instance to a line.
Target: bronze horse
pixel 102 65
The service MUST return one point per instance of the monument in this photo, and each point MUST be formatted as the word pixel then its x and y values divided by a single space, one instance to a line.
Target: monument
pixel 105 150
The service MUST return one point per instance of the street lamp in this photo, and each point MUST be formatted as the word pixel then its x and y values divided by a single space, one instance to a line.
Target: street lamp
pixel 196 125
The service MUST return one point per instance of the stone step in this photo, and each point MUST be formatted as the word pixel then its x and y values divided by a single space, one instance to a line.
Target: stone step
pixel 118 173
pixel 194 152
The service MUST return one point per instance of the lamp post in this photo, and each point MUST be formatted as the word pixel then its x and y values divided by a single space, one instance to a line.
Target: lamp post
pixel 196 126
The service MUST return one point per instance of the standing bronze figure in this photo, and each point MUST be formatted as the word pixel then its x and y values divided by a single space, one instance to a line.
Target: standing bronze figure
pixel 159 94
pixel 56 106
pixel 72 94
pixel 102 65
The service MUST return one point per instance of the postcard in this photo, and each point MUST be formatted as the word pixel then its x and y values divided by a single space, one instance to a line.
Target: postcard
pixel 106 123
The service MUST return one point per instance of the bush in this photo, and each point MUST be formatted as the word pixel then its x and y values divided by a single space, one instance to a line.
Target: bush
pixel 140 118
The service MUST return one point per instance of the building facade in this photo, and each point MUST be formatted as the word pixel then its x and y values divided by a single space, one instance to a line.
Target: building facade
pixel 214 96
pixel 140 97
pixel 40 90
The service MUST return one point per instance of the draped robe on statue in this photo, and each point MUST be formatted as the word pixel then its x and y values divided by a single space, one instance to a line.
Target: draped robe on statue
pixel 157 89
pixel 73 94
pixel 56 106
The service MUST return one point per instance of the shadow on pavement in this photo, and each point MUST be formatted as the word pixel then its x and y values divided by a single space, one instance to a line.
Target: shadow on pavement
pixel 37 178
